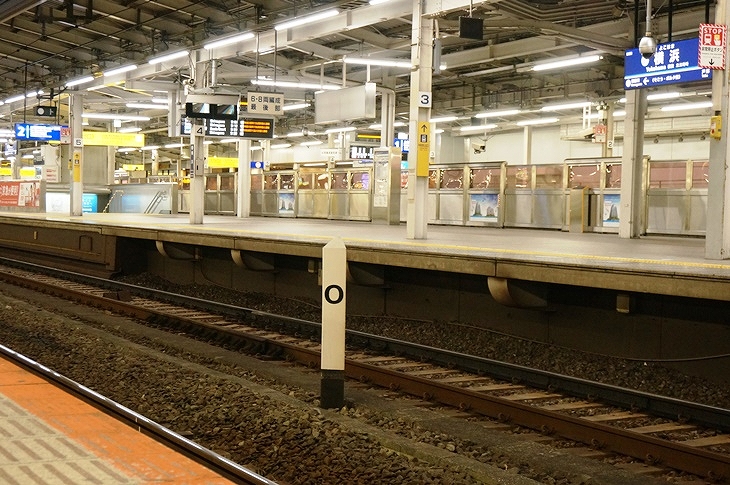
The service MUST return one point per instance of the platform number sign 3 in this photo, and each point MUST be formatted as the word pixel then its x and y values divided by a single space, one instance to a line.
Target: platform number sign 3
pixel 424 99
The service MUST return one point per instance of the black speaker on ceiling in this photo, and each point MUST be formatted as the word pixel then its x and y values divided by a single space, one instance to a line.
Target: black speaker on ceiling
pixel 471 28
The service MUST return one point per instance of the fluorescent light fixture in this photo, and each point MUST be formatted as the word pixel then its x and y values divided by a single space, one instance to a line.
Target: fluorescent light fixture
pixel 377 62
pixel 120 70
pixel 13 99
pixel 129 129
pixel 558 107
pixel 497 114
pixel 291 84
pixel 378 2
pixel 340 130
pixel 686 106
pixel 147 106
pixel 478 127
pixel 306 20
pixel 29 155
pixel 311 143
pixel 656 96
pixel 280 145
pixel 168 57
pixel 34 93
pixel 378 126
pixel 126 150
pixel 159 100
pixel 228 140
pixel 294 134
pixel 575 61
pixel 443 119
pixel 619 112
pixel 175 145
pixel 81 80
pixel 289 107
pixel 256 148
pixel 438 130
pixel 537 121
pixel 228 41
pixel 114 116
pixel 150 148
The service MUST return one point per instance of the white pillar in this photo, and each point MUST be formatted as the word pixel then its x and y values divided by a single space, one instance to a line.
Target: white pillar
pixel 76 107
pixel 197 172
pixel 631 207
pixel 419 127
pixel 527 145
pixel 334 312
pixel 717 236
pixel 243 203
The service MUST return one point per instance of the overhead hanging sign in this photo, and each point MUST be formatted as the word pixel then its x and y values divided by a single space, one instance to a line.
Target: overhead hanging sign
pixel 265 104
pixel 254 128
pixel 673 62
pixel 713 41
pixel 113 139
pixel 37 132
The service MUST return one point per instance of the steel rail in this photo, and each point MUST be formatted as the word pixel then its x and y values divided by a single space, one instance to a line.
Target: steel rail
pixel 215 462
pixel 674 455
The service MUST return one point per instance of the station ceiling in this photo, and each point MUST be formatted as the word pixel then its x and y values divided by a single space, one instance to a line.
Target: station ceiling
pixel 43 44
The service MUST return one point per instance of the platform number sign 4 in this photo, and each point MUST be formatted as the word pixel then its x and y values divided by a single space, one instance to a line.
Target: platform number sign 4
pixel 424 99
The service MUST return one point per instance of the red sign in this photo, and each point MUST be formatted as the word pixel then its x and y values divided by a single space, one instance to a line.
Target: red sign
pixel 713 42
pixel 14 193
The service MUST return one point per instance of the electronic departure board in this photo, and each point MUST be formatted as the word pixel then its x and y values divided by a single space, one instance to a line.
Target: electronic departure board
pixel 254 128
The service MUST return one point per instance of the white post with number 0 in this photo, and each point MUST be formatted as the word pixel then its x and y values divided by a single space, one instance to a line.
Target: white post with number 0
pixel 334 280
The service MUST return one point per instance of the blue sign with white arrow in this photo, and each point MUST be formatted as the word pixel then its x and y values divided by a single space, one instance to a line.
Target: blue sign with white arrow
pixel 673 62
pixel 37 132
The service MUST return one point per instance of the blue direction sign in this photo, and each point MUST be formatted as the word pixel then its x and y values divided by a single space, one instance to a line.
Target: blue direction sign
pixel 36 132
pixel 673 62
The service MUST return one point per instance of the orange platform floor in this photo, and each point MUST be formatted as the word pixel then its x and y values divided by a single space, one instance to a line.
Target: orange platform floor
pixel 51 437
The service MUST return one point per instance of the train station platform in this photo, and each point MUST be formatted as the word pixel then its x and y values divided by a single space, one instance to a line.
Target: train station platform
pixel 51 437
pixel 668 265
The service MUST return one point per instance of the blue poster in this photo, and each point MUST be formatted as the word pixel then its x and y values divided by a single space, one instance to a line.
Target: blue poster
pixel 673 62
pixel 286 204
pixel 484 207
pixel 611 212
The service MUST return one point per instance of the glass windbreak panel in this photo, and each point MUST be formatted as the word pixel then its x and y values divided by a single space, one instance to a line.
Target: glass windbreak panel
pixel 305 181
pixel 700 171
pixel 452 179
pixel 584 176
pixel 548 176
pixel 613 176
pixel 339 181
pixel 433 179
pixel 485 178
pixel 518 177
pixel 667 175
pixel 404 179
pixel 227 183
pixel 270 181
pixel 361 180
pixel 211 182
pixel 321 180
pixel 287 181
pixel 256 181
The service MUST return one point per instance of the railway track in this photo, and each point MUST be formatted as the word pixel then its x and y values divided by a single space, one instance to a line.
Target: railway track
pixel 661 431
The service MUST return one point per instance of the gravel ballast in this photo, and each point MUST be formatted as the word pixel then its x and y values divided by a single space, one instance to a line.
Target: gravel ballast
pixel 265 415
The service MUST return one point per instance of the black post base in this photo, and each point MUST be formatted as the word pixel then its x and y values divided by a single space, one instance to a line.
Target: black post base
pixel 332 389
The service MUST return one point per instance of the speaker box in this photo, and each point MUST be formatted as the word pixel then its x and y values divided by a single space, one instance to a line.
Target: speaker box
pixel 471 28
